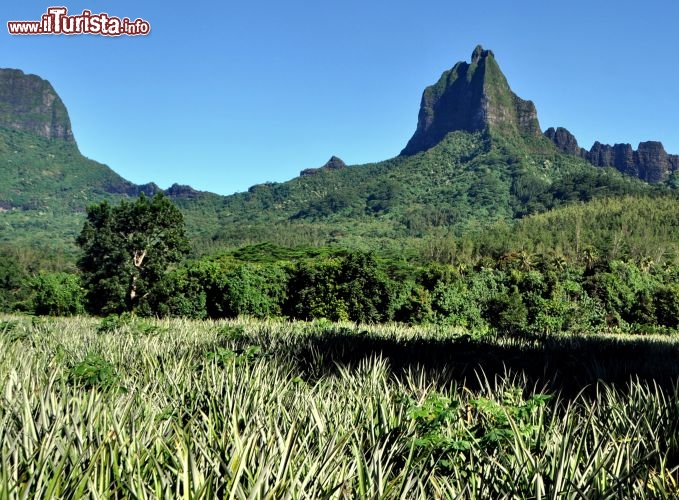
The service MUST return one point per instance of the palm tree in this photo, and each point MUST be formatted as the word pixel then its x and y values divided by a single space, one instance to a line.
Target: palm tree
pixel 590 256
pixel 557 261
pixel 526 261
pixel 646 264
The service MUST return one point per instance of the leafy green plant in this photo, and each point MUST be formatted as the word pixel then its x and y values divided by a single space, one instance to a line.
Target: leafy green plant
pixel 94 372
pixel 497 423
pixel 12 282
pixel 224 355
pixel 114 322
pixel 146 327
pixel 431 418
pixel 57 294
pixel 221 355
pixel 232 332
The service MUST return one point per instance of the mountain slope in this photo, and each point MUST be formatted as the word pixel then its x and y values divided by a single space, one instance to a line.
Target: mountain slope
pixel 46 183
pixel 461 185
pixel 42 174
pixel 628 227
pixel 477 157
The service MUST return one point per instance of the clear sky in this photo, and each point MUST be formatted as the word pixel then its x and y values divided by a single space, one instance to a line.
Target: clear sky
pixel 225 95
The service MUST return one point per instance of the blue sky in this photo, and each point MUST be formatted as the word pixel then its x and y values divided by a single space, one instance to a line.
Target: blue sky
pixel 225 95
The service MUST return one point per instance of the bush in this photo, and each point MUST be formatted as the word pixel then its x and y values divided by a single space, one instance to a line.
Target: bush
pixel 57 294
pixel 254 290
pixel 230 289
pixel 626 293
pixel 179 293
pixel 666 300
pixel 455 305
pixel 507 313
pixel 414 305
pixel 339 289
pixel 313 291
pixel 365 289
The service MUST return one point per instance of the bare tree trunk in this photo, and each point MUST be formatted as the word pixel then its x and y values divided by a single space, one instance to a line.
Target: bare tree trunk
pixel 133 289
pixel 138 261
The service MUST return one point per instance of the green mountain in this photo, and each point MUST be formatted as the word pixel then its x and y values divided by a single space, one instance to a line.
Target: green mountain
pixel 475 98
pixel 477 158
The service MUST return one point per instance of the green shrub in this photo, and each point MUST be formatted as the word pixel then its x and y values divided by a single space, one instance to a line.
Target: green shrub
pixel 455 305
pixel 253 290
pixel 313 291
pixel 114 322
pixel 507 313
pixel 350 288
pixel 413 305
pixel 178 294
pixel 94 372
pixel 666 299
pixel 365 289
pixel 498 423
pixel 230 288
pixel 57 294
pixel 626 292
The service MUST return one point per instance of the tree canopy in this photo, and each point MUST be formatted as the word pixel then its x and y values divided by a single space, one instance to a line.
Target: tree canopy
pixel 126 251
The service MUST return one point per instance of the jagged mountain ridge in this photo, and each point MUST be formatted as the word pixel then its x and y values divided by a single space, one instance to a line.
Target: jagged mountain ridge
pixel 475 97
pixel 334 163
pixel 649 161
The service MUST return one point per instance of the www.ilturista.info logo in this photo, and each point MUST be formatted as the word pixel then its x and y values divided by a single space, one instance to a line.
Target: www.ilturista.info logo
pixel 57 21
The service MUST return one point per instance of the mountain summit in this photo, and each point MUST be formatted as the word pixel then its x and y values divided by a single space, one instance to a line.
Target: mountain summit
pixel 30 104
pixel 471 97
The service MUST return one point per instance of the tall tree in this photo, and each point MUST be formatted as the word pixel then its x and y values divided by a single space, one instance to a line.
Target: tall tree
pixel 127 249
pixel 12 280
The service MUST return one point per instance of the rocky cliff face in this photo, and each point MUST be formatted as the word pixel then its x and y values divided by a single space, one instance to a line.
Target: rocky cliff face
pixel 471 97
pixel 30 104
pixel 565 141
pixel 649 162
pixel 653 161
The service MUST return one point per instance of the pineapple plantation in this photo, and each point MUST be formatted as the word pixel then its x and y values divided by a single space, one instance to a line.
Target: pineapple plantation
pixel 135 408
